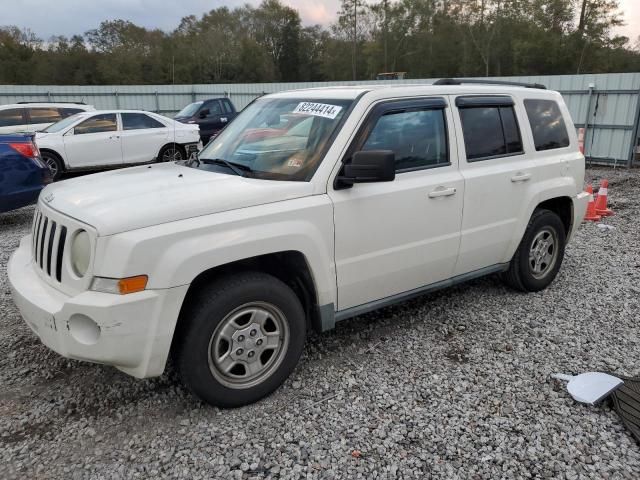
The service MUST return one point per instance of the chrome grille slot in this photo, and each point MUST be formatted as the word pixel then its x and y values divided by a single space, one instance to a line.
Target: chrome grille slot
pixel 49 239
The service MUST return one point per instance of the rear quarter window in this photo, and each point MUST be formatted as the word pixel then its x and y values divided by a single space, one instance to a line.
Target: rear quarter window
pixel 547 124
pixel 11 117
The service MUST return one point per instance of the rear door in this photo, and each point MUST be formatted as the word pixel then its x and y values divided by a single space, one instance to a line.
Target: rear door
pixel 94 142
pixel 142 137
pixel 395 237
pixel 41 117
pixel 214 118
pixel 498 178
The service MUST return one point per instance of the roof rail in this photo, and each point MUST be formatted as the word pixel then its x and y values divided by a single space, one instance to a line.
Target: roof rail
pixel 460 81
pixel 70 103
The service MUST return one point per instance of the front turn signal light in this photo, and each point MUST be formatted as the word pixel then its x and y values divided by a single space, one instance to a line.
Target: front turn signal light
pixel 120 286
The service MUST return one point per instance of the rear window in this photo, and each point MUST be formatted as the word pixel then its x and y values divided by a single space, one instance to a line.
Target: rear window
pixel 490 131
pixel 11 117
pixel 44 115
pixel 547 124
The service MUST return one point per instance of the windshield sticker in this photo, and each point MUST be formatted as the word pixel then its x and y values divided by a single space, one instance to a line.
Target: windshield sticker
pixel 294 162
pixel 318 109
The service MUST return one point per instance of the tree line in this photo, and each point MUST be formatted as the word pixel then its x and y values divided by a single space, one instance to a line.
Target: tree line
pixel 268 43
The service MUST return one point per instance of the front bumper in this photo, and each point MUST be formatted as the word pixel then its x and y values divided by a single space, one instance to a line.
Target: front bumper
pixel 131 332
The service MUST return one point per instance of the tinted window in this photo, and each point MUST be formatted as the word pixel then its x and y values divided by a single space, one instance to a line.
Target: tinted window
pixel 11 117
pixel 44 115
pixel 67 112
pixel 214 108
pixel 418 138
pixel 137 121
pixel 105 122
pixel 547 124
pixel 227 106
pixel 490 132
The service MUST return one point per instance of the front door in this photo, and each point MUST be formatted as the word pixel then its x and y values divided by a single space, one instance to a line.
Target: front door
pixel 94 142
pixel 212 119
pixel 394 237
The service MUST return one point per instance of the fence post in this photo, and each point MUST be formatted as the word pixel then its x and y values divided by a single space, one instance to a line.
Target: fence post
pixel 157 103
pixel 117 100
pixel 635 133
pixel 193 94
pixel 49 96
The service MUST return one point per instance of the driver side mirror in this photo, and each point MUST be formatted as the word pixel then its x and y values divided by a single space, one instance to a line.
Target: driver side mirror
pixel 369 166
pixel 204 113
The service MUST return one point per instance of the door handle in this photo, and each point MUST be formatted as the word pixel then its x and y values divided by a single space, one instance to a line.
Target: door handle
pixel 114 136
pixel 521 177
pixel 442 192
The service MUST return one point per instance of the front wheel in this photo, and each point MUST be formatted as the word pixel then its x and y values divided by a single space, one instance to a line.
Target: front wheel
pixel 539 256
pixel 241 338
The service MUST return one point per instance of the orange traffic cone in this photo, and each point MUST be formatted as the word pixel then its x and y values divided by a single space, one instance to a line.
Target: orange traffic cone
pixel 601 201
pixel 591 208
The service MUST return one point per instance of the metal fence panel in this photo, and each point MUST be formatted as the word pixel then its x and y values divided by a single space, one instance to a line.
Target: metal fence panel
pixel 610 111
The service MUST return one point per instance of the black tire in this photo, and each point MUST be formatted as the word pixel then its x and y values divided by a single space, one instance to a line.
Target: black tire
pixel 209 311
pixel 55 164
pixel 180 153
pixel 521 274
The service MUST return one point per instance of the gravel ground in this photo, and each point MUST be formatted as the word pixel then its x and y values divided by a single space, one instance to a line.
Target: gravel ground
pixel 452 385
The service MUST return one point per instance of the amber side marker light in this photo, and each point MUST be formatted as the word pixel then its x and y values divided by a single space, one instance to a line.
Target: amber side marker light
pixel 120 286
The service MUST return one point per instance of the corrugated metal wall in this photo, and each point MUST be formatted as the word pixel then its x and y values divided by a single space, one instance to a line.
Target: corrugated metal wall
pixel 607 104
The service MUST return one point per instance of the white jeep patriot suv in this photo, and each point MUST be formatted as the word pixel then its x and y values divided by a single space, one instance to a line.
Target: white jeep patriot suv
pixel 311 207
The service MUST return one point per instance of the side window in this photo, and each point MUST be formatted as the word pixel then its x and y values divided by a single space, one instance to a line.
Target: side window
pixel 490 131
pixel 44 115
pixel 67 112
pixel 105 122
pixel 139 121
pixel 214 108
pixel 227 106
pixel 417 137
pixel 11 117
pixel 547 124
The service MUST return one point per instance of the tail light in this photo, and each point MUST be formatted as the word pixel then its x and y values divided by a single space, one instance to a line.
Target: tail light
pixel 27 149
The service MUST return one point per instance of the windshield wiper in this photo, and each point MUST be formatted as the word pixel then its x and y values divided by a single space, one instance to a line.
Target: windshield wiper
pixel 237 168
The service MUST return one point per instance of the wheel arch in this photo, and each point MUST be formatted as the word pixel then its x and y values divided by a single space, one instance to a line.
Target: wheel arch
pixel 56 154
pixel 289 266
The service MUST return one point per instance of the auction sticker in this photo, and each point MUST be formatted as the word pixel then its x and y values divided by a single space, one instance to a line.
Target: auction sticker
pixel 318 109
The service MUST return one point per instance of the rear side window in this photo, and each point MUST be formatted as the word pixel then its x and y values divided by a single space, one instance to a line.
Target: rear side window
pixel 44 115
pixel 105 122
pixel 139 121
pixel 417 137
pixel 547 124
pixel 67 112
pixel 11 117
pixel 490 131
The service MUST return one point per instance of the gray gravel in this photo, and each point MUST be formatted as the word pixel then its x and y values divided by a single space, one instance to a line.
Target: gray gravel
pixel 452 385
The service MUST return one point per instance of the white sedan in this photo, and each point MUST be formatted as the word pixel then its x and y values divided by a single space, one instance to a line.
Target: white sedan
pixel 114 138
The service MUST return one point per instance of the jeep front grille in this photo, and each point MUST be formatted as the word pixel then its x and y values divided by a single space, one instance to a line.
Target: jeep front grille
pixel 49 238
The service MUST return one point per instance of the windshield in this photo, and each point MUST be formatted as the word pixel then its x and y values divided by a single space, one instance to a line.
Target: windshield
pixel 189 110
pixel 276 138
pixel 62 124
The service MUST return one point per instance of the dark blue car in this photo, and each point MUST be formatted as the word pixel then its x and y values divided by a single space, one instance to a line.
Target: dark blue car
pixel 22 173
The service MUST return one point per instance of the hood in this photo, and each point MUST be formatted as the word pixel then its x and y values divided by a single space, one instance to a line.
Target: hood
pixel 138 197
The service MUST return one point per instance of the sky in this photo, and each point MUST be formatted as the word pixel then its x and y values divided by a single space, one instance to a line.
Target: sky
pixel 67 17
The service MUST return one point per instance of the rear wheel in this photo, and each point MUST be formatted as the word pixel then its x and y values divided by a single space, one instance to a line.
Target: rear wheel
pixel 241 338
pixel 54 162
pixel 540 253
pixel 171 153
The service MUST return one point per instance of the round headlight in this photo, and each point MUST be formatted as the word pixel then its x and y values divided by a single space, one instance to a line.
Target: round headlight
pixel 80 253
